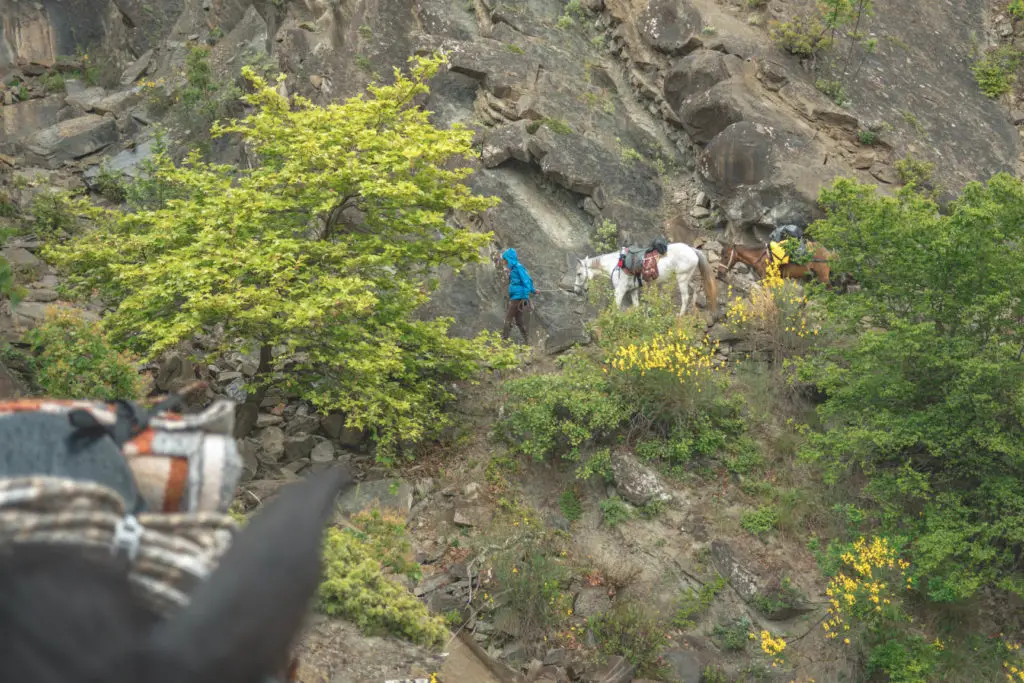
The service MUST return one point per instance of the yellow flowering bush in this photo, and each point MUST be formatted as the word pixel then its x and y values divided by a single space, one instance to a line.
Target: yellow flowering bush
pixel 1014 663
pixel 864 591
pixel 865 611
pixel 773 647
pixel 673 352
pixel 665 374
pixel 774 318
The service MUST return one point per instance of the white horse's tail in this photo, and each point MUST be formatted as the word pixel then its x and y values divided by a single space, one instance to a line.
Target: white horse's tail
pixel 710 288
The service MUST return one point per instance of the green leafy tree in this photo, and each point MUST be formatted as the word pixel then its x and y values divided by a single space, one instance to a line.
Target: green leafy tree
pixel 73 359
pixel 321 256
pixel 927 398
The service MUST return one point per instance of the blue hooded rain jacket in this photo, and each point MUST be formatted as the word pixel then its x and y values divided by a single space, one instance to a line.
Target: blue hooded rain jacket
pixel 520 285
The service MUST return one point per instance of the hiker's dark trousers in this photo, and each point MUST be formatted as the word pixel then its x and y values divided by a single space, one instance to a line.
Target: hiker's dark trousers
pixel 519 313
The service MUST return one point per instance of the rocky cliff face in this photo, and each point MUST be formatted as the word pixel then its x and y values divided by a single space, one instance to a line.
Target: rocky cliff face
pixel 609 110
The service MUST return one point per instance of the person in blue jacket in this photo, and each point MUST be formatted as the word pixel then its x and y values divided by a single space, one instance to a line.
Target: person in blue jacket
pixel 520 287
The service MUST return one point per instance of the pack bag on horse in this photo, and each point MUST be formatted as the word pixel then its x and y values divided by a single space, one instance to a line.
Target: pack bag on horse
pixel 797 257
pixel 97 588
pixel 787 242
pixel 662 261
pixel 642 264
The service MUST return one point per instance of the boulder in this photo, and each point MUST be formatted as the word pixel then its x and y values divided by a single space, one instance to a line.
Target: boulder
pixel 503 73
pixel 670 26
pixel 125 162
pixel 72 139
pixel 759 174
pixel 636 482
pixel 471 516
pixel 25 264
pixel 323 452
pixel 332 424
pixel 743 581
pixel 592 601
pixel 118 102
pixel 25 118
pixel 137 69
pixel 708 112
pixel 298 446
pixel 692 75
pixel 391 494
pixel 174 371
pixel 505 142
pixel 614 669
pixel 584 166
pixel 271 444
pixel 85 98
pixel 814 106
pixel 686 665
pixel 11 385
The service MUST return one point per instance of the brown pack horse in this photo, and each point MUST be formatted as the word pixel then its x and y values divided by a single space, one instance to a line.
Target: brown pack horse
pixel 757 258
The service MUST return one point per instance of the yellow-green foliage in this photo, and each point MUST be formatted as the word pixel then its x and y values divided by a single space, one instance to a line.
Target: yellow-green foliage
pixel 775 317
pixel 266 253
pixel 384 531
pixel 996 71
pixel 74 360
pixel 803 35
pixel 356 589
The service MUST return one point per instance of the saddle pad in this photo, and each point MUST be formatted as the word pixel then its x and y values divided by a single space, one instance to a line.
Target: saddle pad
pixel 650 268
pixel 44 444
pixel 180 463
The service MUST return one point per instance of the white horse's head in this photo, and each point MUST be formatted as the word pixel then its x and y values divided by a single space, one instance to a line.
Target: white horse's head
pixel 583 276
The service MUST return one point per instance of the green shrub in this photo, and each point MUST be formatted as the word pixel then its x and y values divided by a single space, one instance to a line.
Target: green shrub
pixel 570 504
pixel 713 674
pixel 111 184
pixel 556 414
pixel 599 463
pixel 51 215
pixel 614 511
pixel 355 588
pixel 1016 9
pixel 384 534
pixel 833 89
pixel 626 630
pixel 867 137
pixel 9 288
pixel 802 36
pixel 152 189
pixel 534 580
pixel 8 209
pixel 74 360
pixel 692 604
pixel 53 82
pixel 734 635
pixel 925 398
pixel 649 371
pixel 996 71
pixel 760 521
pixel 778 597
pixel 914 172
pixel 606 237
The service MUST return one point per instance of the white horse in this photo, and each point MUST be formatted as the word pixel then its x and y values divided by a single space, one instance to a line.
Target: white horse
pixel 680 261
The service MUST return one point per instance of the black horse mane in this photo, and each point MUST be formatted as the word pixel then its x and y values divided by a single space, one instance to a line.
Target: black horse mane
pixel 66 617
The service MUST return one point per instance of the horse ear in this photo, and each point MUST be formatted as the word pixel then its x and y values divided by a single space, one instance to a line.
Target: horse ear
pixel 242 621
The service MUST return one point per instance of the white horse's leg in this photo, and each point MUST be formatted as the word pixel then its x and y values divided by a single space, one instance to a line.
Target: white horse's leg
pixel 620 293
pixel 635 296
pixel 684 291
